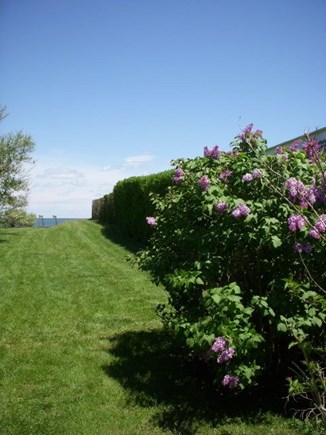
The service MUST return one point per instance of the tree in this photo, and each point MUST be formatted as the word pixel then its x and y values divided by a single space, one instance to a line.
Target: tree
pixel 15 157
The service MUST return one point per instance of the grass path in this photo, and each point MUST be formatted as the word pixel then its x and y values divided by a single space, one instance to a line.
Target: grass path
pixel 81 347
pixel 64 291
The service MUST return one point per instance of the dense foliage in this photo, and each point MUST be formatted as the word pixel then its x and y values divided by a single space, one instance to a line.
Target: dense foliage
pixel 239 244
pixel 17 218
pixel 15 155
pixel 129 203
pixel 103 209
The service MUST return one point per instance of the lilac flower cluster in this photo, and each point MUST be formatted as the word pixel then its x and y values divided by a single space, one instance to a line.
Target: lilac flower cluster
pixel 281 153
pixel 221 207
pixel 296 222
pixel 204 183
pixel 256 173
pixel 247 178
pixel 319 227
pixel 241 210
pixel 295 145
pixel 151 221
pixel 302 247
pixel 230 381
pixel 312 148
pixel 225 355
pixel 300 195
pixel 224 175
pixel 221 345
pixel 248 133
pixel 214 153
pixel 178 176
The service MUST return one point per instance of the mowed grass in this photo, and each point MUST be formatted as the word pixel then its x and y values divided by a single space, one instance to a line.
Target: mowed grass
pixel 83 352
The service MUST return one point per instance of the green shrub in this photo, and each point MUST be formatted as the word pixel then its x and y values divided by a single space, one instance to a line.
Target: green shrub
pixel 132 202
pixel 239 244
pixel 17 218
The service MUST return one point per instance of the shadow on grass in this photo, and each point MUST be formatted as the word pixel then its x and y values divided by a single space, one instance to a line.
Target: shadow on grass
pixel 115 235
pixel 6 233
pixel 154 372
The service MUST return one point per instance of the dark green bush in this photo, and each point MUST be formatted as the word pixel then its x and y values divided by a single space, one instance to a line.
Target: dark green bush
pixel 132 202
pixel 129 203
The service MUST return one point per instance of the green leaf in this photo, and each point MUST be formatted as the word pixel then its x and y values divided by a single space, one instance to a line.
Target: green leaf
pixel 216 298
pixel 276 241
pixel 317 322
pixel 281 327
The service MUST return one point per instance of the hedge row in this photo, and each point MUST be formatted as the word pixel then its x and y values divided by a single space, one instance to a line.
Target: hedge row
pixel 129 203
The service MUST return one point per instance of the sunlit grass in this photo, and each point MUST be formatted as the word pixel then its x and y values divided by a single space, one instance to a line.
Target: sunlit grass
pixel 83 352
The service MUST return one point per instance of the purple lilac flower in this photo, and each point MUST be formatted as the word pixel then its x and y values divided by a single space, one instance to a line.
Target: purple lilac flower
pixel 313 195
pixel 302 247
pixel 279 150
pixel 257 173
pixel 178 176
pixel 213 153
pixel 248 133
pixel 204 183
pixel 295 145
pixel 151 221
pixel 230 381
pixel 224 175
pixel 296 222
pixel 321 196
pixel 236 213
pixel 248 128
pixel 298 247
pixel 320 225
pixel 247 178
pixel 307 248
pixel 225 355
pixel 314 234
pixel 312 148
pixel 295 187
pixel 299 194
pixel 219 345
pixel 221 207
pixel 284 156
pixel 241 210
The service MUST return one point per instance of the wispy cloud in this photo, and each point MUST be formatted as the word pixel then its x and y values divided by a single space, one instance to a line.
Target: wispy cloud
pixel 58 187
pixel 139 160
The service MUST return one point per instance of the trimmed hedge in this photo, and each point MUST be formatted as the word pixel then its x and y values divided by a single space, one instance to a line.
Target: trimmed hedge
pixel 129 204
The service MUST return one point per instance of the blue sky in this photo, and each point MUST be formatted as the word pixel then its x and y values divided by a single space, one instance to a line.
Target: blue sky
pixel 114 88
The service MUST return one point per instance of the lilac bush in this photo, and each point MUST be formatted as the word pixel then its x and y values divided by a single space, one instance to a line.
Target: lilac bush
pixel 239 245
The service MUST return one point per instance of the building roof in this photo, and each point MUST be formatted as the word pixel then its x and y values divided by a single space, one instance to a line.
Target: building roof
pixel 319 134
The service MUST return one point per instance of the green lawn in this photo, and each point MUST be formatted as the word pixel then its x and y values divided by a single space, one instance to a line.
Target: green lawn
pixel 82 351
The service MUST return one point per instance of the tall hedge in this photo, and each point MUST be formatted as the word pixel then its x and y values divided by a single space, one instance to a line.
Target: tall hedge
pixel 129 204
pixel 132 202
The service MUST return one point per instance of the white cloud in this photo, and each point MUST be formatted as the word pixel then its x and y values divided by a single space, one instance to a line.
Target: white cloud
pixel 66 190
pixel 138 160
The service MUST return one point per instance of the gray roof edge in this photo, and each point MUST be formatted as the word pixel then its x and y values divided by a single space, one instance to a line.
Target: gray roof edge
pixel 314 133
